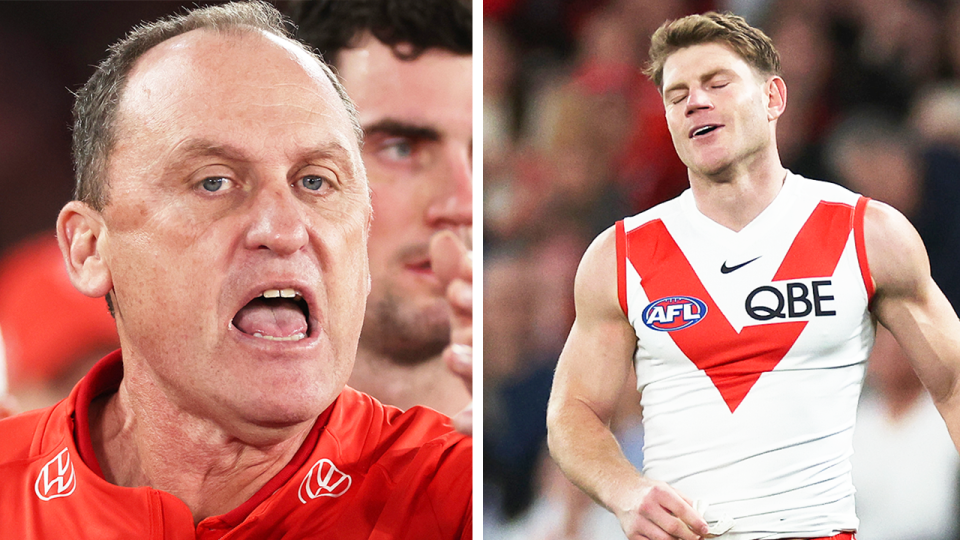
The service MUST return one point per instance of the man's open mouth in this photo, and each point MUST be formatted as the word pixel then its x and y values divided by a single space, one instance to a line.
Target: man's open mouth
pixel 703 130
pixel 276 315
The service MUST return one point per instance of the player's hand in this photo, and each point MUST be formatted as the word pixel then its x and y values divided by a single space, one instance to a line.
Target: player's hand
pixel 453 266
pixel 659 512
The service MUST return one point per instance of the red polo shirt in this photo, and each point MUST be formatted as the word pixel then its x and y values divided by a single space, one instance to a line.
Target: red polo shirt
pixel 365 471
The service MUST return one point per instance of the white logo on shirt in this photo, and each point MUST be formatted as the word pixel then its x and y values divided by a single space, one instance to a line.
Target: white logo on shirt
pixel 57 478
pixel 324 480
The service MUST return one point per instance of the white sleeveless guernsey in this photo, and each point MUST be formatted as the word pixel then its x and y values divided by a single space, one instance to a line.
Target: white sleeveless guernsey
pixel 751 349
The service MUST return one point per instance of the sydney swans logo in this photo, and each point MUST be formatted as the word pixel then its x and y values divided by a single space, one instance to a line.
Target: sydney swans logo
pixel 324 480
pixel 57 478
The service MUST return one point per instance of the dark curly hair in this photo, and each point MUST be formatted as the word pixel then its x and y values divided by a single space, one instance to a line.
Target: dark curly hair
pixel 334 25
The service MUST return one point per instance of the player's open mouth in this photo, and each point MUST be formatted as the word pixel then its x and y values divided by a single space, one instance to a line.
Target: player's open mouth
pixel 703 130
pixel 275 315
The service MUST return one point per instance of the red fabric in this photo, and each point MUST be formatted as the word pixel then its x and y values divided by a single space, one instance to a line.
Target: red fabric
pixel 44 321
pixel 409 478
pixel 862 246
pixel 816 250
pixel 621 267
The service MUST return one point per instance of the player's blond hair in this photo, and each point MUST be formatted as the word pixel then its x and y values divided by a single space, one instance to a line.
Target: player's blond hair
pixel 748 42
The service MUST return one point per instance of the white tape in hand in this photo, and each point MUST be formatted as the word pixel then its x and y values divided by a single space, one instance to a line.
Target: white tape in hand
pixel 717 522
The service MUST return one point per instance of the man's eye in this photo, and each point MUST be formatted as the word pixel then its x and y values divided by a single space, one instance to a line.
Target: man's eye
pixel 313 183
pixel 398 149
pixel 214 183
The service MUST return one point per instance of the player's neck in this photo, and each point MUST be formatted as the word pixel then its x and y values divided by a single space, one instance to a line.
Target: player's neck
pixel 402 385
pixel 737 195
pixel 141 441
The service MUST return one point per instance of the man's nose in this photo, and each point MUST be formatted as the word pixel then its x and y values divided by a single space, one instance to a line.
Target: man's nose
pixel 698 99
pixel 278 222
pixel 452 207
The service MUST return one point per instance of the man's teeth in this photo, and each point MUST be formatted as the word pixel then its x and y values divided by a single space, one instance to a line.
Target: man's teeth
pixel 280 293
pixel 295 337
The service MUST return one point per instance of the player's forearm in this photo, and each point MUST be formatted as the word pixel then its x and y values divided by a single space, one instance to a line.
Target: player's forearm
pixel 589 455
pixel 946 397
pixel 950 411
pixel 928 330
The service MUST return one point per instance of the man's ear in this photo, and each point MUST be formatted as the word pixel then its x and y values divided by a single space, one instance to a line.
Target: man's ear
pixel 776 97
pixel 79 233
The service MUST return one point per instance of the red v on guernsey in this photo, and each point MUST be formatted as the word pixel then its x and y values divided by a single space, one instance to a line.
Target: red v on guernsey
pixel 734 361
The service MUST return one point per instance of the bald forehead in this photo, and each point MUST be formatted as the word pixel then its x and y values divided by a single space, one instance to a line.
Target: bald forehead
pixel 207 53
pixel 229 86
pixel 214 75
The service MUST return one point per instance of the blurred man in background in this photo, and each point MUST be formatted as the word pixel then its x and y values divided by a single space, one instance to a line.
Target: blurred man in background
pixel 407 65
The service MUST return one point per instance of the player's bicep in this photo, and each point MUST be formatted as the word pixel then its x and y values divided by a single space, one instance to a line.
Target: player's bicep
pixel 596 359
pixel 909 303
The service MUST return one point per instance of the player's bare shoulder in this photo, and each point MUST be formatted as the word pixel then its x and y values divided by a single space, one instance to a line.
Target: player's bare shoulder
pixel 595 289
pixel 896 255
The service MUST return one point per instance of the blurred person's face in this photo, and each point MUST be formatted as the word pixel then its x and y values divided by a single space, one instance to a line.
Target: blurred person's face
pixel 416 117
pixel 885 171
pixel 236 176
pixel 507 305
pixel 499 63
pixel 805 55
pixel 717 108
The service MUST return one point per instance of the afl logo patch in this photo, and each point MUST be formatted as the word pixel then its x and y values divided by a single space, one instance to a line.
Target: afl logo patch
pixel 674 313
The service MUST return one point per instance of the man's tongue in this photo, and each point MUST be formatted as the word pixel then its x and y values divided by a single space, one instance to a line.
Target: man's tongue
pixel 276 317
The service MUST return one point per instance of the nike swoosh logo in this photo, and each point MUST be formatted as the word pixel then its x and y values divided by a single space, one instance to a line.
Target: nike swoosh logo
pixel 724 269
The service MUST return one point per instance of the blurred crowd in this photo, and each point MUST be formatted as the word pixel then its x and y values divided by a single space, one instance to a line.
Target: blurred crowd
pixel 575 139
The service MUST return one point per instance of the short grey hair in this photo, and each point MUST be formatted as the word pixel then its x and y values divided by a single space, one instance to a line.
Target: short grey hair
pixel 95 110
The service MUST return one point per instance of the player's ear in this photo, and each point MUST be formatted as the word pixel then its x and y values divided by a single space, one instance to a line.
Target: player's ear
pixel 80 231
pixel 776 97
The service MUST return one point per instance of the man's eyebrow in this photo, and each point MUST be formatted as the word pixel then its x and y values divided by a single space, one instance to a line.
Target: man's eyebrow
pixel 193 148
pixel 398 128
pixel 335 151
pixel 719 71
